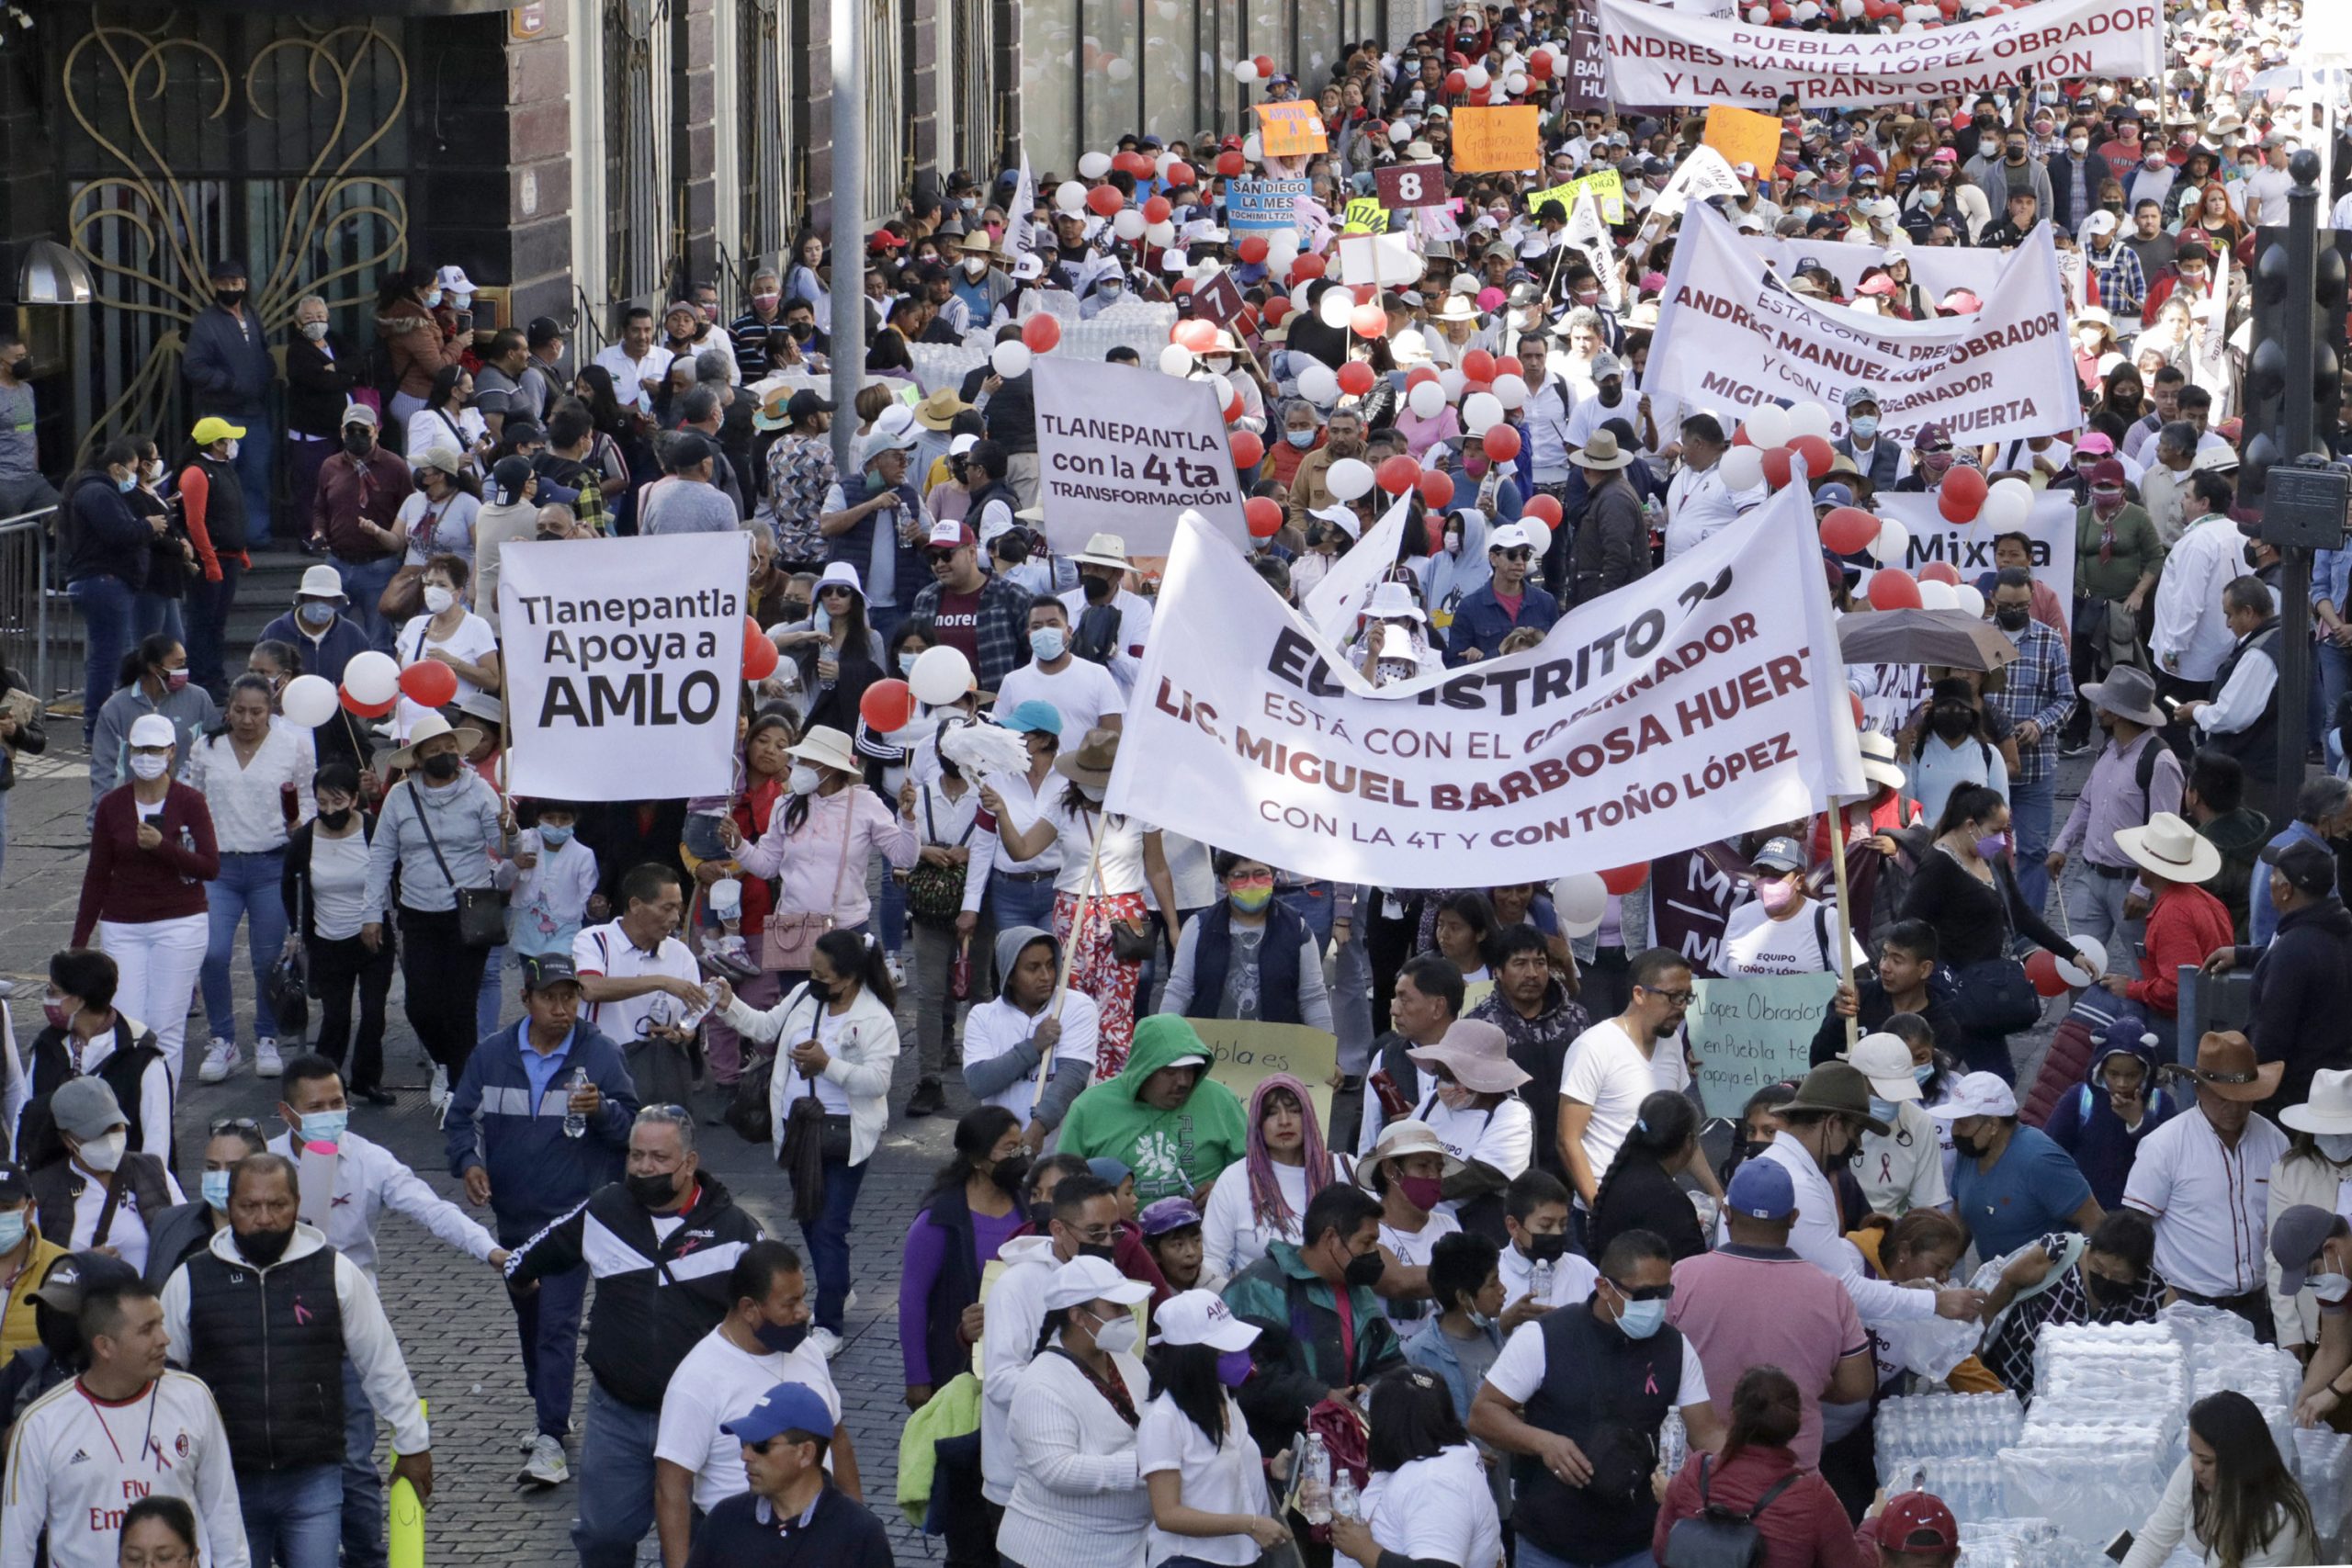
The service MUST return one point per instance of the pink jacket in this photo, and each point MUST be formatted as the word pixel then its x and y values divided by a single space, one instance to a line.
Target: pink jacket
pixel 816 877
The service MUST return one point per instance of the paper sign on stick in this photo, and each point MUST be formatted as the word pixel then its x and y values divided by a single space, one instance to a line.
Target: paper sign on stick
pixel 1290 130
pixel 1498 140
pixel 1743 136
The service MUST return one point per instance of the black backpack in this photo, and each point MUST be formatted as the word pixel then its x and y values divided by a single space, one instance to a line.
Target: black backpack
pixel 1718 1537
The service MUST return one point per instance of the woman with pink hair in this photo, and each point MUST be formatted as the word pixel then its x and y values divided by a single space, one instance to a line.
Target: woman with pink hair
pixel 1262 1197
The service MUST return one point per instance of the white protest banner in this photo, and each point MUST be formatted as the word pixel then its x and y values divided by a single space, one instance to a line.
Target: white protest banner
pixel 1658 55
pixel 1700 701
pixel 1334 602
pixel 621 652
pixel 1938 270
pixel 1126 451
pixel 1732 335
pixel 1968 546
pixel 1586 234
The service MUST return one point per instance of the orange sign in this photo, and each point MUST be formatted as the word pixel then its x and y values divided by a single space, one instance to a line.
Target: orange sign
pixel 1743 136
pixel 1497 140
pixel 1290 130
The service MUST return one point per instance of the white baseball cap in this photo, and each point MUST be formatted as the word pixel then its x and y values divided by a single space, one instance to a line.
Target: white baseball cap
pixel 1083 1279
pixel 1885 1060
pixel 153 729
pixel 1199 1317
pixel 1978 1094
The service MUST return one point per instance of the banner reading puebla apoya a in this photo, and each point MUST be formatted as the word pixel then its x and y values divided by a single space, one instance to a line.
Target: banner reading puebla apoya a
pixel 624 659
pixel 1661 55
pixel 1706 699
pixel 1731 337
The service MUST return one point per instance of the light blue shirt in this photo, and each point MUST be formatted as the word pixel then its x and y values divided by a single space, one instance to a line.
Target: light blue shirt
pixel 541 1070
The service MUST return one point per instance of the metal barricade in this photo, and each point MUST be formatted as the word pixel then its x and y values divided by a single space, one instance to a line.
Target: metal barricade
pixel 39 633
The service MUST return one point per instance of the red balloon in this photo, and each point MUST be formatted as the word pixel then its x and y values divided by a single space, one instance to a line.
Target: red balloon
pixel 1264 514
pixel 1397 475
pixel 1961 495
pixel 1501 443
pixel 1478 365
pixel 1195 333
pixel 1892 588
pixel 1625 878
pixel 1856 698
pixel 1252 249
pixel 1041 332
pixel 1368 321
pixel 1233 409
pixel 2042 968
pixel 1419 374
pixel 1277 309
pixel 1776 466
pixel 1104 201
pixel 1308 264
pixel 429 683
pixel 1455 82
pixel 1545 509
pixel 1180 175
pixel 1539 65
pixel 1248 451
pixel 759 658
pixel 1818 453
pixel 1849 530
pixel 370 710
pixel 887 706
pixel 1356 378
pixel 1265 64
pixel 1156 210
pixel 1437 489
pixel 1939 571
pixel 1739 437
pixel 1230 165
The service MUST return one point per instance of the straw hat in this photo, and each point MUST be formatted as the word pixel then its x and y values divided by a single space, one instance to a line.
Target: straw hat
pixel 826 748
pixel 938 411
pixel 1600 451
pixel 1398 1139
pixel 1475 1053
pixel 1879 765
pixel 1103 549
pixel 2170 848
pixel 1457 307
pixel 1090 763
pixel 431 726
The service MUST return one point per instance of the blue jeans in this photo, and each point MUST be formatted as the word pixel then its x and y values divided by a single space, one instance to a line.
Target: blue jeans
pixel 107 610
pixel 292 1517
pixel 487 1001
pixel 548 1322
pixel 152 613
pixel 4 832
pixel 616 1480
pixel 363 583
pixel 208 605
pixel 2029 810
pixel 1021 903
pixel 363 1488
pixel 255 450
pixel 1311 902
pixel 246 888
pixel 892 906
pixel 1534 1556
pixel 827 1242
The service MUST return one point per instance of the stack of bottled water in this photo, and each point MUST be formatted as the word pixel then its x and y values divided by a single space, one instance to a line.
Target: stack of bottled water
pixel 1948 1444
pixel 2023 1543
pixel 2324 1464
pixel 2104 1432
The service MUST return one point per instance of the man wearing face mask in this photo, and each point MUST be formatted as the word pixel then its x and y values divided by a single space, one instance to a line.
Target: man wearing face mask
pixel 1111 624
pixel 2035 697
pixel 228 370
pixel 85 1035
pixel 315 1311
pixel 23 487
pixel 2011 1183
pixel 1880 462
pixel 98 1193
pixel 762 1341
pixel 749 332
pixel 1323 1333
pixel 652 1308
pixel 1085 693
pixel 1079 1220
pixel 357 503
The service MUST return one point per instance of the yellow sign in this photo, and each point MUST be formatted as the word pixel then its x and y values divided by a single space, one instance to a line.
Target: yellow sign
pixel 1290 130
pixel 1607 189
pixel 1743 136
pixel 1366 216
pixel 1246 1052
pixel 1498 140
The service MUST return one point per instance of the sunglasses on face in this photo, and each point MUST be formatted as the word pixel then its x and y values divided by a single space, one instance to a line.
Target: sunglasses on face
pixel 1642 1292
pixel 834 593
pixel 1520 556
pixel 938 558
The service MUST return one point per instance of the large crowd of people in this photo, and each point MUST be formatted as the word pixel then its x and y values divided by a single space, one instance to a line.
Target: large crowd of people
pixel 1471 1301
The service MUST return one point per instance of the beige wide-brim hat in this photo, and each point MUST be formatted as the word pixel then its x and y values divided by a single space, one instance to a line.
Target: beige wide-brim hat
pixel 1401 1138
pixel 1090 763
pixel 2170 848
pixel 1600 451
pixel 1457 307
pixel 431 726
pixel 1477 1055
pixel 1879 765
pixel 1103 549
pixel 826 748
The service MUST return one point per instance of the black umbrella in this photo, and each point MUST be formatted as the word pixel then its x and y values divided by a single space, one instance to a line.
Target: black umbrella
pixel 1953 638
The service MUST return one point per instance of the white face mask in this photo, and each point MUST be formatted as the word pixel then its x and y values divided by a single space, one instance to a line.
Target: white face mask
pixel 314 331
pixel 975 265
pixel 2334 1148
pixel 1117 1336
pixel 105 1154
pixel 437 598
pixel 148 765
pixel 803 780
pixel 2330 1288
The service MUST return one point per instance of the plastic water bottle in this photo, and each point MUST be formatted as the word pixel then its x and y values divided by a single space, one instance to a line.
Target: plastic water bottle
pixel 1315 1482
pixel 1673 1444
pixel 575 1123
pixel 1345 1505
pixel 1539 1282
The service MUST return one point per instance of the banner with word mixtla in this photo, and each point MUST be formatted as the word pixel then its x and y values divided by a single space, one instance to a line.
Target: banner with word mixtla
pixel 624 659
pixel 1705 700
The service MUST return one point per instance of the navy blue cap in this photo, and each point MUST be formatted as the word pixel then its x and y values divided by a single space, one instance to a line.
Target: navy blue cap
pixel 787 1407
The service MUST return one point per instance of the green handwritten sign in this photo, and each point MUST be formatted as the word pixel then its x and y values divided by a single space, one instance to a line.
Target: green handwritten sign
pixel 1607 189
pixel 1752 1029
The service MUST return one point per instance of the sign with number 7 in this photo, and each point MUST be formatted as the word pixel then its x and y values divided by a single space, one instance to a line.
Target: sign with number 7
pixel 1412 185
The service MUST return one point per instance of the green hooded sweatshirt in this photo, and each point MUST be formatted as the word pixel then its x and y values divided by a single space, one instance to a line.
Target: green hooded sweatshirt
pixel 1170 1152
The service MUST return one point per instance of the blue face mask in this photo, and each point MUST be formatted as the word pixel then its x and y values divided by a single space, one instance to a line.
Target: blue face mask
pixel 325 1126
pixel 1302 439
pixel 127 486
pixel 1922 1072
pixel 1047 643
pixel 554 838
pixel 1882 1110
pixel 1864 425
pixel 1233 1368
pixel 1642 1319
pixel 216 1189
pixel 12 1229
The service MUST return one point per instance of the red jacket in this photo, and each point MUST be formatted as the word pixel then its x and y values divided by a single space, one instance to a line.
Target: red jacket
pixel 2185 927
pixel 1805 1528
pixel 130 886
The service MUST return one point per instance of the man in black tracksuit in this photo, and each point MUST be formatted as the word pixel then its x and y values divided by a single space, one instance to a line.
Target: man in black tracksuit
pixel 660 1243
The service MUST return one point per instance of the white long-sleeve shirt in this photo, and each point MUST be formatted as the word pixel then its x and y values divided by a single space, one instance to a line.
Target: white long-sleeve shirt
pixel 2170 1526
pixel 2240 702
pixel 1016 1308
pixel 247 817
pixel 1815 1239
pixel 154 1087
pixel 2191 635
pixel 369 1180
pixel 1697 503
pixel 76 1463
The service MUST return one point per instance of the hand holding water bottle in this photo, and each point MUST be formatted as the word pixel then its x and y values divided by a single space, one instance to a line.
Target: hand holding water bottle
pixel 581 1104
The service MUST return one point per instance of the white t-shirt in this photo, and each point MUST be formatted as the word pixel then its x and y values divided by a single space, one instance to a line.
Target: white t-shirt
pixel 339 886
pixel 1606 1071
pixel 716 1383
pixel 1441 1507
pixel 444 530
pixel 472 640
pixel 1756 943
pixel 1503 1137
pixel 1412 1250
pixel 831 1095
pixel 1120 867
pixel 1216 1478
pixel 993 1028
pixel 1082 690
pixel 1518 1371
pixel 1573 1277
pixel 1903 1171
pixel 1232 1235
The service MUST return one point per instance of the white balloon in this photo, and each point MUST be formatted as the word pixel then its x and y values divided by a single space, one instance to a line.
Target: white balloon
pixel 939 675
pixel 1128 224
pixel 1768 426
pixel 1580 902
pixel 1893 543
pixel 1807 418
pixel 1539 534
pixel 1743 468
pixel 1176 359
pixel 1253 148
pixel 1480 410
pixel 1224 385
pixel 1336 306
pixel 1298 294
pixel 1281 249
pixel 1349 478
pixel 1851 9
pixel 1245 71
pixel 1908 29
pixel 2072 972
pixel 1936 596
pixel 1969 600
pixel 1120 69
pixel 1070 197
pixel 1093 166
pixel 1163 233
pixel 1805 12
pixel 1760 14
pixel 1515 83
pixel 1400 130
pixel 1451 380
pixel 1510 390
pixel 1319 385
pixel 1010 359
pixel 309 701
pixel 1476 78
pixel 2007 506
pixel 371 678
pixel 1426 399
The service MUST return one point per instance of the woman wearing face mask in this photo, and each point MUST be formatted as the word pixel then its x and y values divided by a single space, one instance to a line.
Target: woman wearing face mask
pixel 106 565
pixel 324 892
pixel 440 827
pixel 1639 1191
pixel 763 786
pixel 437 519
pixel 252 774
pixel 414 343
pixel 1285 1165
pixel 449 419
pixel 2067 1278
pixel 972 1210
pixel 836 653
pixel 152 853
pixel 153 678
pixel 1078 1493
pixel 1407 1170
pixel 1204 1473
pixel 1247 956
pixel 1781 931
pixel 1457 564
pixel 87 1154
pixel 448 632
pixel 185 1229
pixel 173 563
pixel 85 1035
pixel 2318 1162
pixel 1952 745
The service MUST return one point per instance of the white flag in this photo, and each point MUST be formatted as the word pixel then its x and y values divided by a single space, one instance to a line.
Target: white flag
pixel 1017 227
pixel 1588 233
pixel 1703 174
pixel 1334 604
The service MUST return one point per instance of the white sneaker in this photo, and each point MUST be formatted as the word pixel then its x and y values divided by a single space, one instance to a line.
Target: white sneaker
pixel 849 1303
pixel 265 1060
pixel 898 970
pixel 439 1091
pixel 546 1466
pixel 828 1343
pixel 530 1437
pixel 221 1058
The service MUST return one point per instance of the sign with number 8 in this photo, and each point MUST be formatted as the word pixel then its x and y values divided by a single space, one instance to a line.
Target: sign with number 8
pixel 1411 184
